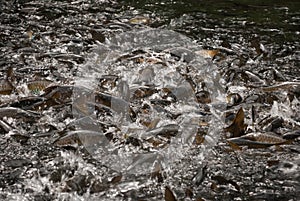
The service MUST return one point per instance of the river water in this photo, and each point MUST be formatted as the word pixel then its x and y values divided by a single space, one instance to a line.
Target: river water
pixel 132 100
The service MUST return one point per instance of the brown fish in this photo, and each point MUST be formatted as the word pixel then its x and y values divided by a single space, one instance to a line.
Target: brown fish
pixel 139 20
pixel 291 135
pixel 234 146
pixel 82 137
pixel 116 179
pixel 4 126
pixel 169 195
pixel 6 88
pixel 258 140
pixel 27 116
pixel 280 86
pixel 237 128
pixel 38 85
pixel 166 131
pixel 208 53
pixel 6 85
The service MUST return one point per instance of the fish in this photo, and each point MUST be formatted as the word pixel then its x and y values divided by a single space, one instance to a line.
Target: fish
pixel 291 135
pixel 237 128
pixel 28 116
pixel 22 138
pixel 208 53
pixel 166 131
pixel 157 173
pixel 69 57
pixel 54 95
pixel 234 99
pixel 142 92
pixel 108 82
pixel 38 85
pixel 203 97
pixel 4 126
pixel 280 86
pixel 116 179
pixel 6 87
pixel 258 140
pixel 169 195
pixel 139 20
pixel 59 93
pixel 81 137
pixel 160 137
pixel 26 103
pixel 221 180
pixel 234 146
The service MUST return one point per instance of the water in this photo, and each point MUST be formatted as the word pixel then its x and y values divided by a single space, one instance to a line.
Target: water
pixel 111 77
pixel 165 56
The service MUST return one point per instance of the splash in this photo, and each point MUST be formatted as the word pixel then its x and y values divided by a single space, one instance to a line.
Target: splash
pixel 137 94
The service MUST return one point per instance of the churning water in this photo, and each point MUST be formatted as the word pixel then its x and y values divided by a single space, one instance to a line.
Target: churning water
pixel 148 59
pixel 105 100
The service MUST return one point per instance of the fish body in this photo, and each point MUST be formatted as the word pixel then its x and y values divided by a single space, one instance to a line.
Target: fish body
pixel 237 128
pixel 6 87
pixel 81 137
pixel 258 139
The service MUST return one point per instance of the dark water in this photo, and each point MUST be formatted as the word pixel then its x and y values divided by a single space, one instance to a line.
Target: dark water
pixel 258 47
